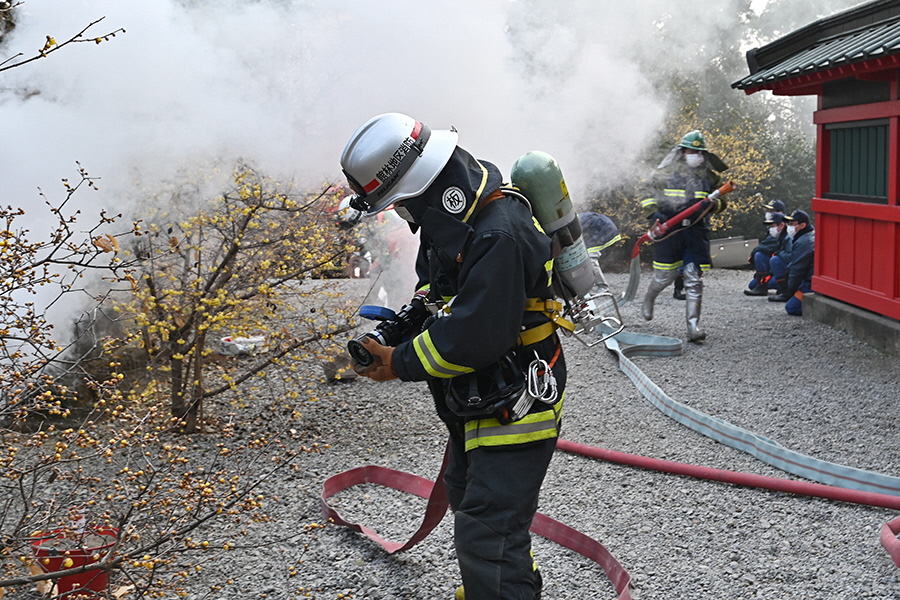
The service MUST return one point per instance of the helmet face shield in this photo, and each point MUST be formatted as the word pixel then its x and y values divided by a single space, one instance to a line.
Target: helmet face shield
pixel 392 157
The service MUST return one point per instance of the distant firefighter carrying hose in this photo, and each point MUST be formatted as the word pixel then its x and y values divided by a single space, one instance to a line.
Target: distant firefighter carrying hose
pixel 679 217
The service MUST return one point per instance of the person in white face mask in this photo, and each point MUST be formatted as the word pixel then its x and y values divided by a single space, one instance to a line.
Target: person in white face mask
pixel 798 279
pixel 774 244
pixel 694 174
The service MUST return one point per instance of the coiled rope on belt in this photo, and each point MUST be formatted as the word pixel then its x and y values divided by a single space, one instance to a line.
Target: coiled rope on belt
pixel 836 482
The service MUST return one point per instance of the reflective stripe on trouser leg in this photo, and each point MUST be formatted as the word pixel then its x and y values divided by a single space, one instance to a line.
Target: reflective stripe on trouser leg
pixel 661 279
pixel 693 291
pixel 493 516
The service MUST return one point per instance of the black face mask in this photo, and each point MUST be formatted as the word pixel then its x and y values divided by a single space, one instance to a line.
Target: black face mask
pixel 441 208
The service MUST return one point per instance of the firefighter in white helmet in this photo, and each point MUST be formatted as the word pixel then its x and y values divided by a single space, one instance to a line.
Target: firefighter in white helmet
pixel 695 173
pixel 481 255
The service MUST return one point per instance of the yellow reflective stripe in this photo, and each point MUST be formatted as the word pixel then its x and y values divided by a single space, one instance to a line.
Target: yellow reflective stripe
pixel 537 225
pixel 668 266
pixel 432 361
pixel 676 193
pixel 705 268
pixel 535 426
pixel 618 238
pixel 648 202
pixel 484 178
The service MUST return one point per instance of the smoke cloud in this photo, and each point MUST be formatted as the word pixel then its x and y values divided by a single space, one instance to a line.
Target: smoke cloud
pixel 285 83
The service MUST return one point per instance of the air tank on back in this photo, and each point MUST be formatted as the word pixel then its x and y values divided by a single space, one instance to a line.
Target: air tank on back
pixel 539 178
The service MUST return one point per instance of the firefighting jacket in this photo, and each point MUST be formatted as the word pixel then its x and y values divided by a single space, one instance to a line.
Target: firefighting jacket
pixel 505 263
pixel 684 189
pixel 485 262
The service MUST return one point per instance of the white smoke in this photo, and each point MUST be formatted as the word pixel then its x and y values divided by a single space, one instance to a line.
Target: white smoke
pixel 284 83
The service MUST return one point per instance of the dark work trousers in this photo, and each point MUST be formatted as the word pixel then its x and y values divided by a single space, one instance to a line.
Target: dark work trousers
pixel 494 495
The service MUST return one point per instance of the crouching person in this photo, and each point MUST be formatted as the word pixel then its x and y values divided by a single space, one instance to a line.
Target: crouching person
pixel 798 279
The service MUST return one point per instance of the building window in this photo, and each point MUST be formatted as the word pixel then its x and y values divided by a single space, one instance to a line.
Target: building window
pixel 859 161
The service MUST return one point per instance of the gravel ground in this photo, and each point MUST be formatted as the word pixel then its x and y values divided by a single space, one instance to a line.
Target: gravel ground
pixel 811 388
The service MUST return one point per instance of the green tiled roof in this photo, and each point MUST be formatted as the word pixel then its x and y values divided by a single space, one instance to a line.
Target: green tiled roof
pixel 864 33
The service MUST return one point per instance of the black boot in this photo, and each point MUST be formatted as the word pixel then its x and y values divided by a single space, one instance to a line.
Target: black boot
pixel 781 293
pixel 678 292
pixel 762 285
pixel 761 289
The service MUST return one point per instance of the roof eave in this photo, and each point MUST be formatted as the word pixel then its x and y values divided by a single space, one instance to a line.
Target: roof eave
pixel 807 83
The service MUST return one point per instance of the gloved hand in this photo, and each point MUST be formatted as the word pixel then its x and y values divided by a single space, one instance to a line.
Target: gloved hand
pixel 719 204
pixel 649 207
pixel 380 369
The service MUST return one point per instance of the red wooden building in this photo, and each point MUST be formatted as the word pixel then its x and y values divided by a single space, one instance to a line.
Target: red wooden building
pixel 851 62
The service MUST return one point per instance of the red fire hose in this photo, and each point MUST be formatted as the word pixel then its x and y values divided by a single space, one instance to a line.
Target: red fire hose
pixel 572 539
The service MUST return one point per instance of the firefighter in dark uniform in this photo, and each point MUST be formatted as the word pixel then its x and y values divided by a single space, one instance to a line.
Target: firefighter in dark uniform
pixel 694 176
pixel 484 259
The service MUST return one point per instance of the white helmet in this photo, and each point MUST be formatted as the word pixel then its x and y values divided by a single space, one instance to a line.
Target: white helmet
pixel 393 157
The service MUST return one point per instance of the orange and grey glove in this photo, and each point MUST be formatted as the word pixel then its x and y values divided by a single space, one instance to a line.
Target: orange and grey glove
pixel 380 369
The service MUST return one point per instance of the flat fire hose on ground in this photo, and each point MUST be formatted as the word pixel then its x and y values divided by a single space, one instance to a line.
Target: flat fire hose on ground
pixel 437 505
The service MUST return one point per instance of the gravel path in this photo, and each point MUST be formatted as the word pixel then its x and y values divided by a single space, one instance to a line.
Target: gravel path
pixel 812 389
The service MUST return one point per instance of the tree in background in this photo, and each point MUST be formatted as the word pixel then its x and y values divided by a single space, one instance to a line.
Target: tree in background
pixel 121 466
pixel 217 267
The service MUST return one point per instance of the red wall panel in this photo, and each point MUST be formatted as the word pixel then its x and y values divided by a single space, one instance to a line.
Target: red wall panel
pixel 857 254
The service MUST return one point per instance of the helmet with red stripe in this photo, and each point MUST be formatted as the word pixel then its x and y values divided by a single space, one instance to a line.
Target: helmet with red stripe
pixel 393 157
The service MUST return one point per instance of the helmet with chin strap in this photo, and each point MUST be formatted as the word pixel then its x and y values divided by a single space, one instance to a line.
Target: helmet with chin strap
pixel 393 157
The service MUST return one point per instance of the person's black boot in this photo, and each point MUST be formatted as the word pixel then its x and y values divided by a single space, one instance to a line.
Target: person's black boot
pixel 781 294
pixel 678 292
pixel 760 290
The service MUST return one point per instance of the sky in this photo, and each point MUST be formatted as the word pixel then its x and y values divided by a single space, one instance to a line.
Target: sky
pixel 285 83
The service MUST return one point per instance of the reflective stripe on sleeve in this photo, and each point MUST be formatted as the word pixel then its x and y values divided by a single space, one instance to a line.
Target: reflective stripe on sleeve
pixel 592 249
pixel 535 426
pixel 432 361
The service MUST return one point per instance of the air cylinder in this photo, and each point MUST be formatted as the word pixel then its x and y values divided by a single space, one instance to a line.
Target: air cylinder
pixel 538 176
